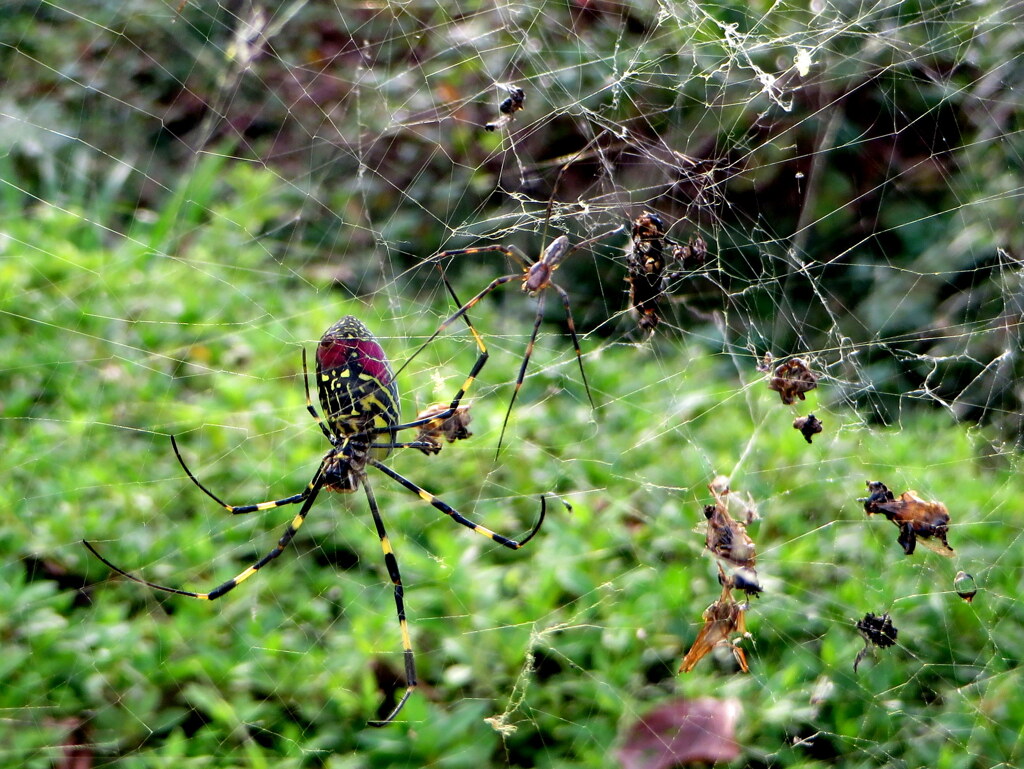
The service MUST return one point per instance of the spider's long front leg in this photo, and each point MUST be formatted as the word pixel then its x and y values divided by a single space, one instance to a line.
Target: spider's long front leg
pixel 241 509
pixel 477 366
pixel 522 370
pixel 508 251
pixel 575 340
pixel 458 517
pixel 314 489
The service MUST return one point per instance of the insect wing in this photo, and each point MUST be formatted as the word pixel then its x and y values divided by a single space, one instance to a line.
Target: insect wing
pixel 723 618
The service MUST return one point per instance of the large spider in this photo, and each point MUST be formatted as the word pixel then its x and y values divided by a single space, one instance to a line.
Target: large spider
pixel 359 398
pixel 536 277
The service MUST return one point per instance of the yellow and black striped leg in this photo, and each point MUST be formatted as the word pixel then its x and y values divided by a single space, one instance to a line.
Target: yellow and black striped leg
pixel 241 509
pixel 458 314
pixel 575 341
pixel 522 369
pixel 396 579
pixel 474 372
pixel 458 517
pixel 453 406
pixel 408 445
pixel 231 584
pixel 309 403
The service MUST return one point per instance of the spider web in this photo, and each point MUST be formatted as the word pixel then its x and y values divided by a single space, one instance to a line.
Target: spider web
pixel 191 195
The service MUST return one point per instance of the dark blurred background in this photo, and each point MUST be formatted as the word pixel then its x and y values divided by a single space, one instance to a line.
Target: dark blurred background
pixel 855 169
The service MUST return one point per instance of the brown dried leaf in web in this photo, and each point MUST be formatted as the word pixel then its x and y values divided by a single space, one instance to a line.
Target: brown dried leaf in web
pixel 454 428
pixel 722 619
pixel 645 269
pixel 808 426
pixel 791 379
pixel 727 538
pixel 877 631
pixel 681 732
pixel 916 518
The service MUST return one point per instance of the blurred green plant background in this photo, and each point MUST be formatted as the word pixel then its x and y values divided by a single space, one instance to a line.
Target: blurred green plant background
pixel 188 198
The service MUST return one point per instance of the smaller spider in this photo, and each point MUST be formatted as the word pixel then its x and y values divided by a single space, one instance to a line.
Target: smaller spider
pixel 535 280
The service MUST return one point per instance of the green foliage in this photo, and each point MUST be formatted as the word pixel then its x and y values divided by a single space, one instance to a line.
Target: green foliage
pixel 182 210
pixel 562 645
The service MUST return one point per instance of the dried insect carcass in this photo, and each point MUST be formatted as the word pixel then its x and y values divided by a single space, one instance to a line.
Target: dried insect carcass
pixel 645 268
pixel 727 538
pixel 454 427
pixel 916 518
pixel 509 107
pixel 646 262
pixel 722 619
pixel 809 426
pixel 790 379
pixel 728 541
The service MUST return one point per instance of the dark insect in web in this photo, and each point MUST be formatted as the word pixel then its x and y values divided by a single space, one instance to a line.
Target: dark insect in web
pixel 509 107
pixel 359 398
pixel 809 426
pixel 917 519
pixel 877 631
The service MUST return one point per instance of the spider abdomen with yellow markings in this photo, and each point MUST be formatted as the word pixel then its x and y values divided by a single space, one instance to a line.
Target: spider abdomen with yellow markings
pixel 359 397
pixel 355 382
